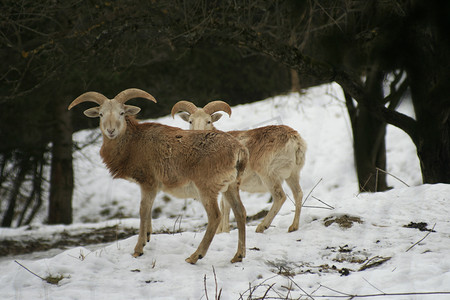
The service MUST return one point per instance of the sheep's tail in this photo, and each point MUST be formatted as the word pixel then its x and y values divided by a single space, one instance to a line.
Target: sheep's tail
pixel 242 160
pixel 300 151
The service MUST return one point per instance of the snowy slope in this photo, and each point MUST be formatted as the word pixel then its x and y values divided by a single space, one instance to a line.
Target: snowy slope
pixel 319 258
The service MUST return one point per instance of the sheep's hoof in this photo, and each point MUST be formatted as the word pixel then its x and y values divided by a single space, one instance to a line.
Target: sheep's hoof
pixel 137 254
pixel 193 258
pixel 260 228
pixel 237 258
pixel 292 228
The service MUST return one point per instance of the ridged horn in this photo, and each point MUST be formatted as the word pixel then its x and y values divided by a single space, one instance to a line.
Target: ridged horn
pixel 89 96
pixel 183 105
pixel 215 106
pixel 129 94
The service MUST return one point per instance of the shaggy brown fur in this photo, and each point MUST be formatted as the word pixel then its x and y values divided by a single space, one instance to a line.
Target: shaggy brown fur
pixel 277 154
pixel 184 163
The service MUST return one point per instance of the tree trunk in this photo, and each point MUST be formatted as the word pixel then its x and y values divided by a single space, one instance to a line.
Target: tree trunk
pixel 38 185
pixel 434 156
pixel 36 191
pixel 23 167
pixel 61 177
pixel 430 92
pixel 295 81
pixel 369 132
pixel 433 130
pixel 370 151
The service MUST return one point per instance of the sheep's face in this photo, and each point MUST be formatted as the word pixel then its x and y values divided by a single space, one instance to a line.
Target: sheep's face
pixel 112 117
pixel 200 120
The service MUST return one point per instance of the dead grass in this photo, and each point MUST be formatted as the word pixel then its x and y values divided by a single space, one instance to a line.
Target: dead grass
pixel 345 221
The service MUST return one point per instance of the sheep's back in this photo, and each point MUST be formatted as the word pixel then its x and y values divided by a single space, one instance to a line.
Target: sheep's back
pixel 187 153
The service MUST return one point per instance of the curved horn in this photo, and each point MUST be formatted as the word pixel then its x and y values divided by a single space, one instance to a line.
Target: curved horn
pixel 214 106
pixel 129 94
pixel 183 105
pixel 89 96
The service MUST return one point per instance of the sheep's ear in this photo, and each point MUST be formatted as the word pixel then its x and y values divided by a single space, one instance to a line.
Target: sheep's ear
pixel 216 117
pixel 93 112
pixel 131 110
pixel 184 116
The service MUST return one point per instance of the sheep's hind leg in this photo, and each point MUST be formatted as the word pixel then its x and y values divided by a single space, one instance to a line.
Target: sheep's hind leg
pixel 294 183
pixel 149 221
pixel 209 202
pixel 224 225
pixel 234 200
pixel 279 197
pixel 147 199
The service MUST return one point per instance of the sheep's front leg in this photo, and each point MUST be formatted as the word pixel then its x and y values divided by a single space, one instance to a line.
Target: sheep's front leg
pixel 147 198
pixel 209 201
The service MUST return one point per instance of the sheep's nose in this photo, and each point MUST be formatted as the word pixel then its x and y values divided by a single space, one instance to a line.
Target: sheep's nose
pixel 111 131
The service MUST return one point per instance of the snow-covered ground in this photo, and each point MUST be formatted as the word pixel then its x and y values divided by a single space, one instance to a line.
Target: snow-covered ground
pixel 373 256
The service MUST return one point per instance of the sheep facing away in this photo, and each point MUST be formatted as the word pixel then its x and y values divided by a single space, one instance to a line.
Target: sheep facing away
pixel 277 154
pixel 184 163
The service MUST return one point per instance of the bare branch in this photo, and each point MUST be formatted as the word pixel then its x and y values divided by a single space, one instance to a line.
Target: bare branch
pixel 381 170
pixel 312 191
pixel 432 230
pixel 43 279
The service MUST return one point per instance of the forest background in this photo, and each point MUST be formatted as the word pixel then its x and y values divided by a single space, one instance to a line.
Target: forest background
pixel 237 51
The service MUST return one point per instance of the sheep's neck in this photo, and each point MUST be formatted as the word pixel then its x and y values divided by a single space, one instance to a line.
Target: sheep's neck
pixel 114 152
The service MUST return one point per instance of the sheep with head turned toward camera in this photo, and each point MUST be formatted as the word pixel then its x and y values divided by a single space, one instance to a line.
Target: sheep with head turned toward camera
pixel 277 154
pixel 184 163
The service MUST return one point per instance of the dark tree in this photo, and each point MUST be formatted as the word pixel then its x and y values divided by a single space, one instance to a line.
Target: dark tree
pixel 229 50
pixel 357 38
pixel 61 178
pixel 427 61
pixel 53 51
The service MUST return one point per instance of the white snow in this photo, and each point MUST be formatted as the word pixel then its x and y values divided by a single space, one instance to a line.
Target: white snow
pixel 278 265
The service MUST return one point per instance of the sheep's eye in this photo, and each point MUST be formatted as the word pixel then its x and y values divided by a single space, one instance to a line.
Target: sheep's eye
pixel 122 113
pixel 190 122
pixel 209 122
pixel 101 115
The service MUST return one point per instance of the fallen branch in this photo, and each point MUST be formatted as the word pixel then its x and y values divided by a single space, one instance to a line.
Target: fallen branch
pixel 381 170
pixel 350 296
pixel 29 270
pixel 48 279
pixel 313 206
pixel 374 262
pixel 310 192
pixel 381 294
pixel 432 229
pixel 323 202
pixel 373 286
pixel 362 188
pixel 309 295
pixel 329 207
pixel 336 291
pixel 338 294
